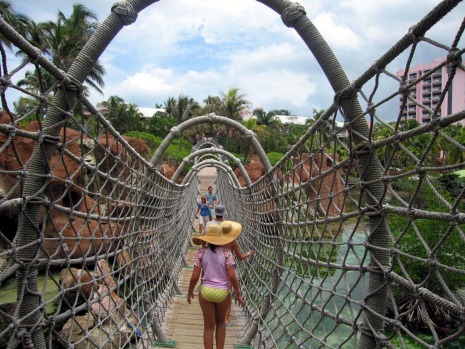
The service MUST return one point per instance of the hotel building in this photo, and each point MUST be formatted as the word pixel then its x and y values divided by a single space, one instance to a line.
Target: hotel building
pixel 428 91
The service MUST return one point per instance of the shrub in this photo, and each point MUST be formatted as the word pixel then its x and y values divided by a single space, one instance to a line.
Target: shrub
pixel 449 253
pixel 153 142
pixel 274 157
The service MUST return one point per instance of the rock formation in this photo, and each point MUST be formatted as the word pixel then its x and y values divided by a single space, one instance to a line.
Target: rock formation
pixel 76 222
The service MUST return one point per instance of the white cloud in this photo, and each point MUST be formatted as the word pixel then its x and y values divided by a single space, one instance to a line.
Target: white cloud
pixel 337 35
pixel 198 48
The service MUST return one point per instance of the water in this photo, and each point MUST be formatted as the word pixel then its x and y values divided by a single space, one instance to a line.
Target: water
pixel 324 294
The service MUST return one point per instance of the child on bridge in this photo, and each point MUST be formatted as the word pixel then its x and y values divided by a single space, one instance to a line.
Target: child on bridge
pixel 216 266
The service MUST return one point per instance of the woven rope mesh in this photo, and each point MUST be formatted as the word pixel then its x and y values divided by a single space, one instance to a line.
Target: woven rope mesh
pixel 357 231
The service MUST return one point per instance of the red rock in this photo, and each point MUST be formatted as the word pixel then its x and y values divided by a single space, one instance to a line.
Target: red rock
pixel 65 234
pixel 167 170
pixel 71 277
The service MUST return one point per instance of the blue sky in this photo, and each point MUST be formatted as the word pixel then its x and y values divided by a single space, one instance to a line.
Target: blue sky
pixel 199 48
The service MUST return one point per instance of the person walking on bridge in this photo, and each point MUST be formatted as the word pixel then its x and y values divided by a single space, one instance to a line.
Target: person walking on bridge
pixel 220 211
pixel 204 213
pixel 212 199
pixel 215 264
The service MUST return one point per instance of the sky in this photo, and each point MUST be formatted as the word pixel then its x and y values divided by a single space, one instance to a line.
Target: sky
pixel 200 48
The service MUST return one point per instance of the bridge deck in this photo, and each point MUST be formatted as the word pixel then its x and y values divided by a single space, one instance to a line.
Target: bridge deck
pixel 183 322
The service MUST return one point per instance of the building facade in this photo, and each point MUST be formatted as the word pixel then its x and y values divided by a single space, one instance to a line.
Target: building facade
pixel 427 91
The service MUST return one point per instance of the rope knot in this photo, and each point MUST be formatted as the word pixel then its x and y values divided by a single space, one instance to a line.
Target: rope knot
pixel 292 13
pixel 26 339
pixel 454 58
pixel 175 131
pixel 249 134
pixel 404 89
pixel 370 109
pixel 125 11
pixel 412 35
pixel 346 94
pixel 5 82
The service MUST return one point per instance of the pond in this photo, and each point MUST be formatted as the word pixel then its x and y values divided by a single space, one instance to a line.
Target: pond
pixel 307 294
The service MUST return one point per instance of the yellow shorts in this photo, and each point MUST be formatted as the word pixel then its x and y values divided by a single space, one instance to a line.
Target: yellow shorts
pixel 215 295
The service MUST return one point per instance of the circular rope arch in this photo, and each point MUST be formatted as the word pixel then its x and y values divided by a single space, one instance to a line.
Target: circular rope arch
pixel 215 163
pixel 207 119
pixel 207 141
pixel 213 150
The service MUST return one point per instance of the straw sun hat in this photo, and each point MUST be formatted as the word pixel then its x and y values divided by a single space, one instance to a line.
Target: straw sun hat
pixel 219 235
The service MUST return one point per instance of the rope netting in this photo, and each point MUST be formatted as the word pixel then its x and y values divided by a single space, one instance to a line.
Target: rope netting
pixel 357 230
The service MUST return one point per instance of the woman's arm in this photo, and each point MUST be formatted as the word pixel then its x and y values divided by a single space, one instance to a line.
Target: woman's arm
pixel 238 253
pixel 194 279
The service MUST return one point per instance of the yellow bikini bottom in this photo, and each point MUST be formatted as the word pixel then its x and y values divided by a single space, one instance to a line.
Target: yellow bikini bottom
pixel 215 295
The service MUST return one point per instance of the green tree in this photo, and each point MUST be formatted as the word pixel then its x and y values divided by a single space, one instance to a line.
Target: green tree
pixel 62 41
pixel 251 124
pixel 21 23
pixel 213 104
pixel 160 124
pixel 380 132
pixel 234 104
pixel 123 117
pixel 182 108
pixel 451 153
pixel 268 119
pixel 449 251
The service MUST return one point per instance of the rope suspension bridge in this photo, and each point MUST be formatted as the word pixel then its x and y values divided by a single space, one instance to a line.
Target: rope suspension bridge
pixel 352 249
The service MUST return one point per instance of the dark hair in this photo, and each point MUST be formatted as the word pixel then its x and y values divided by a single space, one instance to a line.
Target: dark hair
pixel 212 247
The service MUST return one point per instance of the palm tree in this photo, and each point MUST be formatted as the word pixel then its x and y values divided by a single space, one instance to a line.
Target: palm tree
pixel 183 108
pixel 19 22
pixel 268 119
pixel 325 131
pixel 380 132
pixel 122 116
pixel 213 104
pixel 259 130
pixel 234 104
pixel 64 39
pixel 450 152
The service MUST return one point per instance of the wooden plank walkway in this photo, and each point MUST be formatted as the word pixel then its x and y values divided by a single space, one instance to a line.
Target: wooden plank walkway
pixel 183 322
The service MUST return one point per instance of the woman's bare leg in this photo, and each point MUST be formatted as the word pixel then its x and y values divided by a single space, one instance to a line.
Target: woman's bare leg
pixel 221 309
pixel 209 321
pixel 228 314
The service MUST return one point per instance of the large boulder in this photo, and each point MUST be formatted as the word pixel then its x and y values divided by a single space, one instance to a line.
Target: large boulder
pixel 70 186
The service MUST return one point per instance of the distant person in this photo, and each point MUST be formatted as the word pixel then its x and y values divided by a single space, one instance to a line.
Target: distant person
pixel 215 264
pixel 212 199
pixel 219 212
pixel 203 212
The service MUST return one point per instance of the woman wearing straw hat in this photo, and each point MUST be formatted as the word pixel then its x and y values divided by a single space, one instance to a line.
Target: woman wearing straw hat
pixel 216 264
